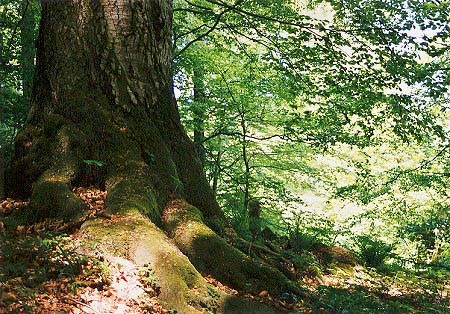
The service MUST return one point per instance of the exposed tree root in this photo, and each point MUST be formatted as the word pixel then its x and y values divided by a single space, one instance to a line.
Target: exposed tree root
pixel 130 235
pixel 211 254
pixel 268 255
pixel 134 237
pixel 52 198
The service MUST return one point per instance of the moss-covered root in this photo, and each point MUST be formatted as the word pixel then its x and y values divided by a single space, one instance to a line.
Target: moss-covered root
pixel 211 254
pixel 52 197
pixel 50 162
pixel 133 237
pixel 230 304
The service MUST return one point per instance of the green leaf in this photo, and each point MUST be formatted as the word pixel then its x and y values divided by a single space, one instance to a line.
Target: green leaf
pixel 94 162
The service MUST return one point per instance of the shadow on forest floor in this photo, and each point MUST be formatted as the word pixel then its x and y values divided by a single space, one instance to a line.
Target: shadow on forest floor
pixel 379 294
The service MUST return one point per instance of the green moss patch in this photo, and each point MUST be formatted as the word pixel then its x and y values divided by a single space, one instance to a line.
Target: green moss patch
pixel 53 199
pixel 134 194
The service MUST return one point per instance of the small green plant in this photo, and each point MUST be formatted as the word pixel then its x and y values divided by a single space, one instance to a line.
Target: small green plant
pixel 373 252
pixel 40 257
pixel 75 284
pixel 102 266
pixel 148 277
pixel 307 229
pixel 94 162
pixel 443 257
pixel 307 263
pixel 213 292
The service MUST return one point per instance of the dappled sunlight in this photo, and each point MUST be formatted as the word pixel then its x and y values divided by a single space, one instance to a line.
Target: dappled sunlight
pixel 124 292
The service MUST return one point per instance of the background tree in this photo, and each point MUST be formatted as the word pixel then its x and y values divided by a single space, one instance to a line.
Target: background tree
pixel 19 26
pixel 334 76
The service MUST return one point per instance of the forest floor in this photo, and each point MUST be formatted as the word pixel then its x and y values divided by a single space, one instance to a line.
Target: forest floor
pixel 42 270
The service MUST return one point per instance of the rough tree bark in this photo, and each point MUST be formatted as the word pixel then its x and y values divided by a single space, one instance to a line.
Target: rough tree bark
pixel 103 92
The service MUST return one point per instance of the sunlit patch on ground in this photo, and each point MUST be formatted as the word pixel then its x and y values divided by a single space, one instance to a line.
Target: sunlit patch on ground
pixel 123 292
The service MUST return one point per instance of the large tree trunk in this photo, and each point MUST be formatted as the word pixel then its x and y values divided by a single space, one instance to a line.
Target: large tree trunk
pixel 103 91
pixel 103 113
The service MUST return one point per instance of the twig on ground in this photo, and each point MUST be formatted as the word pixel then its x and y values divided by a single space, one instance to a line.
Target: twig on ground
pixel 83 304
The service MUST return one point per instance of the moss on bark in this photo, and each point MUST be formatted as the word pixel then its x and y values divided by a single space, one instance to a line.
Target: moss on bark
pixel 131 192
pixel 54 199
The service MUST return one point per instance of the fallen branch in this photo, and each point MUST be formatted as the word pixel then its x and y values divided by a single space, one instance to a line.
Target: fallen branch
pixel 83 304
pixel 251 245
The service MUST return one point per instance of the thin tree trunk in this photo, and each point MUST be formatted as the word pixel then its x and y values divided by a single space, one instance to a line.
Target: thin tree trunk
pixel 2 153
pixel 2 172
pixel 27 53
pixel 216 171
pixel 1 49
pixel 246 161
pixel 199 116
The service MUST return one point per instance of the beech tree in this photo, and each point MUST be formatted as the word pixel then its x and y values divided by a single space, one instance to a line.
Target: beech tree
pixel 103 113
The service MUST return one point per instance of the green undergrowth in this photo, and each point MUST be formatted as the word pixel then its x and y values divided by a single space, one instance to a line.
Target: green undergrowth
pixel 39 257
pixel 40 270
pixel 383 291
